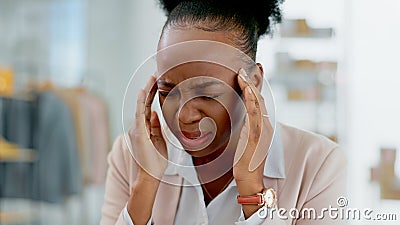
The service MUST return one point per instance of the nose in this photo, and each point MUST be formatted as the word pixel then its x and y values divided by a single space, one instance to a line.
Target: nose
pixel 189 113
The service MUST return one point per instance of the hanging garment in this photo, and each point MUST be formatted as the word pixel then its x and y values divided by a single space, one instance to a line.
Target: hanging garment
pixel 95 112
pixel 58 170
pixel 17 126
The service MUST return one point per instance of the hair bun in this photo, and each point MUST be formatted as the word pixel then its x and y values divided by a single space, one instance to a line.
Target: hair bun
pixel 263 11
pixel 169 5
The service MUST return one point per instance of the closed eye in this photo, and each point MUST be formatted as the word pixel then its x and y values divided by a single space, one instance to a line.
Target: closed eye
pixel 210 96
pixel 165 93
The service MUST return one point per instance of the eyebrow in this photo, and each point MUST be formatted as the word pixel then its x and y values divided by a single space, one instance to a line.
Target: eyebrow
pixel 199 86
pixel 166 83
pixel 207 84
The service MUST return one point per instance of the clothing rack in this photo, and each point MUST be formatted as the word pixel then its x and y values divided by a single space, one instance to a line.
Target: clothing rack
pixel 57 137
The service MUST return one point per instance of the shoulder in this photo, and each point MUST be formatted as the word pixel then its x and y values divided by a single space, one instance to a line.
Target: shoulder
pixel 315 169
pixel 301 142
pixel 305 139
pixel 120 174
pixel 121 161
pixel 119 150
pixel 305 150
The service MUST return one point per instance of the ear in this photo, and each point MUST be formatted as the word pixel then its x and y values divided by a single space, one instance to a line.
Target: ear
pixel 258 76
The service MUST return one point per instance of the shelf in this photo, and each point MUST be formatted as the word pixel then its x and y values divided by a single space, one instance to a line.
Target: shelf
pixel 11 218
pixel 314 40
pixel 307 38
pixel 309 48
pixel 310 51
pixel 301 78
pixel 304 76
pixel 19 211
pixel 24 156
pixel 300 28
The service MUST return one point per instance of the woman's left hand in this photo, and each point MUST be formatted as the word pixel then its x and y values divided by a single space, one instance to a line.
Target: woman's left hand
pixel 254 141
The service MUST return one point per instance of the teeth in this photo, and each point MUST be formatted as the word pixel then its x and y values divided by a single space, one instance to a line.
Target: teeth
pixel 193 138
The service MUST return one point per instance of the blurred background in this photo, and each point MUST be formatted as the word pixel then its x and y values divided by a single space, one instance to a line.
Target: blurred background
pixel 64 65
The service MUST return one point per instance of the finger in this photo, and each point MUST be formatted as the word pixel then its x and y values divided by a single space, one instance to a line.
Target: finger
pixel 251 131
pixel 252 107
pixel 242 80
pixel 258 101
pixel 260 139
pixel 264 142
pixel 140 108
pixel 156 134
pixel 242 143
pixel 150 83
pixel 261 152
pixel 150 90
pixel 265 116
pixel 155 125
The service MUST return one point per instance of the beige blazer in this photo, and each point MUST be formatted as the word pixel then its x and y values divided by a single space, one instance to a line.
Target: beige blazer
pixel 314 177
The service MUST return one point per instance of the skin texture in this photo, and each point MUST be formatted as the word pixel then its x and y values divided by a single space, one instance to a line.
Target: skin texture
pixel 208 105
pixel 248 176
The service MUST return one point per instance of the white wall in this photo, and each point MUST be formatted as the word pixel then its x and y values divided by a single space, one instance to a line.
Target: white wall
pixel 373 90
pixel 120 36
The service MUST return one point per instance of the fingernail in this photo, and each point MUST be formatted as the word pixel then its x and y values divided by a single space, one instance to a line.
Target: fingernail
pixel 243 74
pixel 248 89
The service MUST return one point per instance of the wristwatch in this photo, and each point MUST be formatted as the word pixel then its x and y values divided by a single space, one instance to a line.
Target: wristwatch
pixel 265 198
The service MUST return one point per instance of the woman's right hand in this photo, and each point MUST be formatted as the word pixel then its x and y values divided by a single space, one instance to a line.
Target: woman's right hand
pixel 150 152
pixel 148 144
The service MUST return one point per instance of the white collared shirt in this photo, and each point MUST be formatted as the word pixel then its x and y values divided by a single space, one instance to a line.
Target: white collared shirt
pixel 223 209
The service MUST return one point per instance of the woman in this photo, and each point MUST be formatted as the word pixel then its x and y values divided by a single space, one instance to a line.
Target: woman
pixel 303 170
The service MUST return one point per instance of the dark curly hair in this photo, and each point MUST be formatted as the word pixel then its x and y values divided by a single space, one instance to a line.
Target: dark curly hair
pixel 247 20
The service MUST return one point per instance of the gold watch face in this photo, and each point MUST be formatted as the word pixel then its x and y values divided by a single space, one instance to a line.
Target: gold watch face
pixel 270 198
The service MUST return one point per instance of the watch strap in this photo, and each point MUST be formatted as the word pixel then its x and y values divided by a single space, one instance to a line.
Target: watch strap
pixel 251 199
pixel 266 198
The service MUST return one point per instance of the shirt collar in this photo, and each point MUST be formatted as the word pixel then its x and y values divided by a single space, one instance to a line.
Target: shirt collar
pixel 180 162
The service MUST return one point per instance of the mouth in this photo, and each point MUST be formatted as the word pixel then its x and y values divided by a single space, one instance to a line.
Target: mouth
pixel 194 140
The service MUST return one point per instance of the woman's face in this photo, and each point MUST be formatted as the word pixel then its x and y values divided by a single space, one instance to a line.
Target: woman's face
pixel 193 93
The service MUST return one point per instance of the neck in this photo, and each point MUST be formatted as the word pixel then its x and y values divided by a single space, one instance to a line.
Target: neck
pixel 226 164
pixel 202 160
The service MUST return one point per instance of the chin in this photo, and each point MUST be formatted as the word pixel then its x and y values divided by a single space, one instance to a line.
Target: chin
pixel 212 150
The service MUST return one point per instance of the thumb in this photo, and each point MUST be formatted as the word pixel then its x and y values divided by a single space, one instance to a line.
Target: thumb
pixel 156 134
pixel 155 126
pixel 243 141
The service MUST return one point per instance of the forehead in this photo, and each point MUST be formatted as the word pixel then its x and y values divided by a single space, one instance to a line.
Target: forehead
pixel 171 36
pixel 197 75
pixel 195 83
pixel 177 47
